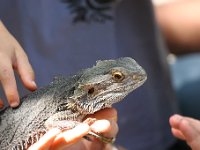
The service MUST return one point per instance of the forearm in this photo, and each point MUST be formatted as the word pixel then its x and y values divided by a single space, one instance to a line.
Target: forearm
pixel 180 25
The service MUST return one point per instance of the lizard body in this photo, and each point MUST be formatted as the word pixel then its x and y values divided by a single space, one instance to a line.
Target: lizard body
pixel 67 100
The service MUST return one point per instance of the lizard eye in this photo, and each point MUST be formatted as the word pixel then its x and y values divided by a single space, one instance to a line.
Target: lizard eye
pixel 117 75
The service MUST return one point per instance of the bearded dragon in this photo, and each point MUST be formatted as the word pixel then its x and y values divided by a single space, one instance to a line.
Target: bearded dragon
pixel 67 100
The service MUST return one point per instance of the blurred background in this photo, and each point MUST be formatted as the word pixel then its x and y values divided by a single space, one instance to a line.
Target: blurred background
pixel 179 22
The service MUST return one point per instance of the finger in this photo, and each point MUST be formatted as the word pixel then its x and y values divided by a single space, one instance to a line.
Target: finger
pixel 175 121
pixel 189 130
pixel 1 104
pixel 69 137
pixel 8 82
pixel 189 127
pixel 25 69
pixel 107 113
pixel 45 142
pixel 177 133
pixel 192 121
pixel 108 128
pixel 106 122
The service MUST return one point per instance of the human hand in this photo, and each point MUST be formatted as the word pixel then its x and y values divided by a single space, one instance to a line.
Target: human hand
pixel 13 57
pixel 73 139
pixel 186 128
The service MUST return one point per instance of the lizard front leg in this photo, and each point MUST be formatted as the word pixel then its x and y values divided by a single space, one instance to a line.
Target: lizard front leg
pixel 63 120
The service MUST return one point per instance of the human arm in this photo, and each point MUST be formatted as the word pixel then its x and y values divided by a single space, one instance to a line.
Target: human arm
pixel 13 58
pixel 180 25
pixel 73 139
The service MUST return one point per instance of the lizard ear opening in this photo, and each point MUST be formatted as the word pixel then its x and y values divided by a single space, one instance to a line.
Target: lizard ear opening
pixel 91 90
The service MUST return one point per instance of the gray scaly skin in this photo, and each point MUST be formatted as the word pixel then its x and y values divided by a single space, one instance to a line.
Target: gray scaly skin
pixel 67 100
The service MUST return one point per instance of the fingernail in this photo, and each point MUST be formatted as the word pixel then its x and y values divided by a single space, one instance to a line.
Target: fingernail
pixel 13 101
pixel 33 83
pixel 33 86
pixel 14 104
pixel 177 117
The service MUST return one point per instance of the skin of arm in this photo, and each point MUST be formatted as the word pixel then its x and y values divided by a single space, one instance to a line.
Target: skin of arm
pixel 180 25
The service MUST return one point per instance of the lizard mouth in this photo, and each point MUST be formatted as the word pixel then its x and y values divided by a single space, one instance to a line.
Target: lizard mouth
pixel 117 94
pixel 124 89
pixel 113 94
pixel 108 98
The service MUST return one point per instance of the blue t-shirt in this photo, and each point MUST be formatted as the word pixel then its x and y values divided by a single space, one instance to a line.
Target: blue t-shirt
pixel 61 38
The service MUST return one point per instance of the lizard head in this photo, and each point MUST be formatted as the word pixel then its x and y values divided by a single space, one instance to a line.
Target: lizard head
pixel 107 83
